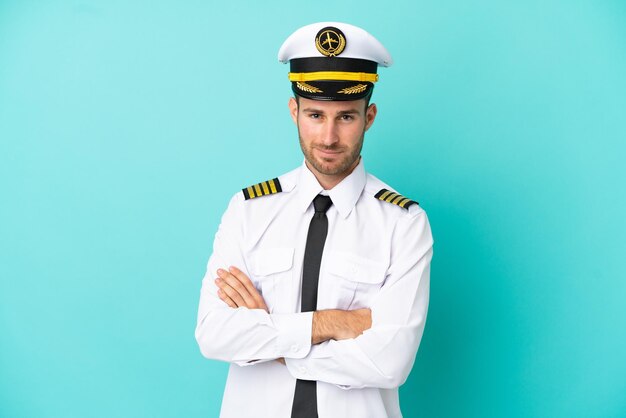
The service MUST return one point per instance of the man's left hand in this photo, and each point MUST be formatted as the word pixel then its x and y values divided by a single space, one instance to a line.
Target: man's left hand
pixel 237 290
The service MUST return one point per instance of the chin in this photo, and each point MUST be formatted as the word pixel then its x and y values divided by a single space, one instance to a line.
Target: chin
pixel 328 166
pixel 333 170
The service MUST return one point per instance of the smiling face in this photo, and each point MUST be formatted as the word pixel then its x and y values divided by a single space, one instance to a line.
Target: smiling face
pixel 331 135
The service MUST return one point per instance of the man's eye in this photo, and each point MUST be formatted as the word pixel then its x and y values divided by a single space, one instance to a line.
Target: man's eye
pixel 314 116
pixel 347 117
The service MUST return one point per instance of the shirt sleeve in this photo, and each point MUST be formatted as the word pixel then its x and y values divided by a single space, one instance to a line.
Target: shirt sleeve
pixel 240 335
pixel 383 356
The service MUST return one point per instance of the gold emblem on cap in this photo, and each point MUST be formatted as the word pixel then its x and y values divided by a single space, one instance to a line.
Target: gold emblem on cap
pixel 308 88
pixel 359 88
pixel 330 41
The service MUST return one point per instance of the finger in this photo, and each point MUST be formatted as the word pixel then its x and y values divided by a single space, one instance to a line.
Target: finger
pixel 241 276
pixel 237 286
pixel 230 292
pixel 245 280
pixel 226 299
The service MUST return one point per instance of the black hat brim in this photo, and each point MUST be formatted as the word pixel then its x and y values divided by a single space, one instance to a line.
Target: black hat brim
pixel 332 90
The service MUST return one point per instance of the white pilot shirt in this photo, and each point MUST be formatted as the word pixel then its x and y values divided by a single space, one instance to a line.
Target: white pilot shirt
pixel 376 255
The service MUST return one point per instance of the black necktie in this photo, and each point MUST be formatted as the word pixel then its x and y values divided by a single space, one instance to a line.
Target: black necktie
pixel 305 397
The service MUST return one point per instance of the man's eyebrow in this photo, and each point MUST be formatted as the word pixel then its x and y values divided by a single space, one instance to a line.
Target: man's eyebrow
pixel 312 110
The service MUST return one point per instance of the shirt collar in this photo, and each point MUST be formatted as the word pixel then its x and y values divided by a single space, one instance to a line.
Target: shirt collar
pixel 344 195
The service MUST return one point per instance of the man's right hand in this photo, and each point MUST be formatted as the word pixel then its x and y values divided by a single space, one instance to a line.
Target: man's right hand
pixel 237 291
pixel 335 324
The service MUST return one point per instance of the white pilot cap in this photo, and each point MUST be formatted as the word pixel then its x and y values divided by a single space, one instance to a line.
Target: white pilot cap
pixel 333 61
pixel 359 44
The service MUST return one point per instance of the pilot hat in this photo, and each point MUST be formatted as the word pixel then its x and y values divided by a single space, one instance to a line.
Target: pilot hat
pixel 333 61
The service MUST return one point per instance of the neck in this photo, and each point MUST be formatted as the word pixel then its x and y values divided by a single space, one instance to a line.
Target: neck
pixel 328 181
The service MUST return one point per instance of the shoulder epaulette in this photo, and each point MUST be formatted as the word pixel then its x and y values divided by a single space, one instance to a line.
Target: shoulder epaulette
pixel 262 189
pixel 395 198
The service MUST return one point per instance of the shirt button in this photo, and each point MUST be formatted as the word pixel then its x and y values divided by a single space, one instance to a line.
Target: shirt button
pixel 302 370
pixel 295 348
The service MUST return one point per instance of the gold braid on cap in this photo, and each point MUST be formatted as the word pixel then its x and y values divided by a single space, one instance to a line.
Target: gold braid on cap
pixel 308 88
pixel 334 76
pixel 359 88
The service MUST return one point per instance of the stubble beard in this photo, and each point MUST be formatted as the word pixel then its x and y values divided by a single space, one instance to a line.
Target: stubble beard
pixel 336 167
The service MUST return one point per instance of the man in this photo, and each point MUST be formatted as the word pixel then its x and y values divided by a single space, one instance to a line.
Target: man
pixel 317 288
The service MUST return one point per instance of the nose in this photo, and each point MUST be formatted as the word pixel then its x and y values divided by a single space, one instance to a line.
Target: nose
pixel 330 134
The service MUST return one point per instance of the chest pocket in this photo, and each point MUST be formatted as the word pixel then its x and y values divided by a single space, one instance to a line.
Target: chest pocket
pixel 353 280
pixel 271 270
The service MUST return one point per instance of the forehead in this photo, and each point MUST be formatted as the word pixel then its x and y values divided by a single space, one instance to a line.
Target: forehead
pixel 330 106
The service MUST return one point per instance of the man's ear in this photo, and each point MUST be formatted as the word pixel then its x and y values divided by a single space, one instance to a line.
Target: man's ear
pixel 293 109
pixel 370 115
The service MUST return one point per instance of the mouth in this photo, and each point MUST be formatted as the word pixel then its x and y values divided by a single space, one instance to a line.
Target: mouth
pixel 329 153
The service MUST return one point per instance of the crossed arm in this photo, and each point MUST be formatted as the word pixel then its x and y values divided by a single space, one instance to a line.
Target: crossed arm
pixel 372 347
pixel 237 291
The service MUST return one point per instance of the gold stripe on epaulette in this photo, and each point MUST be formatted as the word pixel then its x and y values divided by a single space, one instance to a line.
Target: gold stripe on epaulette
pixel 273 186
pixel 394 198
pixel 264 188
pixel 384 195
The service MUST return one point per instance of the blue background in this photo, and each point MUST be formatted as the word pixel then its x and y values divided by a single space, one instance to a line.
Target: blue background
pixel 125 127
